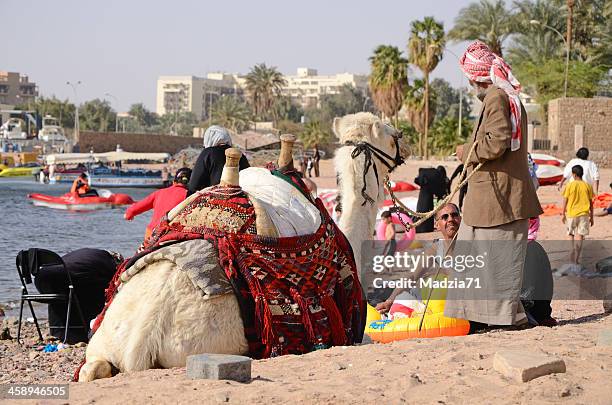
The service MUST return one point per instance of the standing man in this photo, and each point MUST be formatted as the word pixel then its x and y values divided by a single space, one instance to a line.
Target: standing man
pixel 589 168
pixel 317 159
pixel 500 198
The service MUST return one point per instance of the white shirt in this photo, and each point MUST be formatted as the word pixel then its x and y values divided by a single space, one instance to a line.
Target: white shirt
pixel 591 174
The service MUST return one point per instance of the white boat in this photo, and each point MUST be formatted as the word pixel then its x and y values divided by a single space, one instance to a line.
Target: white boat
pixel 51 131
pixel 13 129
pixel 104 176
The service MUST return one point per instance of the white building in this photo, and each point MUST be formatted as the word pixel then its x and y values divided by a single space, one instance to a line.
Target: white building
pixel 196 94
pixel 307 87
pixel 176 94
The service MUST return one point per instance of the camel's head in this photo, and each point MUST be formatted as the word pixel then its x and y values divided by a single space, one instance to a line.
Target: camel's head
pixel 364 127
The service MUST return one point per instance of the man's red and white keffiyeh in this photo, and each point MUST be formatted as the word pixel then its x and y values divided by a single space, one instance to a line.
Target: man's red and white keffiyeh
pixel 480 64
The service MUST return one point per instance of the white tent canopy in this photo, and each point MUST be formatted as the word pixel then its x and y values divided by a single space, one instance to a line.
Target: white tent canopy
pixel 122 156
pixel 76 158
pixel 69 158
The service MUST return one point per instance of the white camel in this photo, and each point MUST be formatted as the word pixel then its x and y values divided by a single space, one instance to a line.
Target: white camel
pixel 158 317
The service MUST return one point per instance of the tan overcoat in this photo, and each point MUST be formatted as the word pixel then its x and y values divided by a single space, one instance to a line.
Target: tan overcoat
pixel 501 191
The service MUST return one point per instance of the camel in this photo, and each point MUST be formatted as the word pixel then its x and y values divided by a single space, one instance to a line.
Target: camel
pixel 158 317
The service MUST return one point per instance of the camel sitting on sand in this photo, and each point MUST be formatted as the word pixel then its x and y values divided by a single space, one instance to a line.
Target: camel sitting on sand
pixel 159 318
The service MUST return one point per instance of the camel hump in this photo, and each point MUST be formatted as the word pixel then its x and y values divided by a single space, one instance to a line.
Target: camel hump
pixel 285 160
pixel 229 176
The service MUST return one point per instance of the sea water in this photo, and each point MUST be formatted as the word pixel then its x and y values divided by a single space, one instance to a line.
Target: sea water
pixel 25 226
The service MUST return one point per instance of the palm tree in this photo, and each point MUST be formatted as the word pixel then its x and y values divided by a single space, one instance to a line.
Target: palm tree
pixel 232 113
pixel 314 134
pixel 487 20
pixel 263 85
pixel 425 49
pixel 388 79
pixel 143 116
pixel 96 115
pixel 414 105
pixel 536 43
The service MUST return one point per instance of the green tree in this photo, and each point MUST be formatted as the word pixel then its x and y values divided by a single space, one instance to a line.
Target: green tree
pixel 388 79
pixel 143 117
pixel 264 85
pixel 97 115
pixel 545 79
pixel 178 123
pixel 285 109
pixel 409 133
pixel 486 20
pixel 536 42
pixel 445 135
pixel 64 110
pixel 232 113
pixel 314 134
pixel 348 100
pixel 414 105
pixel 425 49
pixel 447 100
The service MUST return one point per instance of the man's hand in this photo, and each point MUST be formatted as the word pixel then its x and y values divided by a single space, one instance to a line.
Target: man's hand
pixel 384 307
pixel 459 152
pixel 563 219
pixel 592 222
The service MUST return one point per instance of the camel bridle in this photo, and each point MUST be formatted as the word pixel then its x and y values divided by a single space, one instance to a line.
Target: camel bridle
pixel 369 151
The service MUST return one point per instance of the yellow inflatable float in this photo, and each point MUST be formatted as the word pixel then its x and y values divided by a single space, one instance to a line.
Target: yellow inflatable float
pixel 435 324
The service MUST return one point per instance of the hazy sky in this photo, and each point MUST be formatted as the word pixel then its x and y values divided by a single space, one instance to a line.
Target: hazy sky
pixel 122 46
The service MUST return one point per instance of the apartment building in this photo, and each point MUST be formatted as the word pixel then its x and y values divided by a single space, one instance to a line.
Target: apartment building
pixel 196 94
pixel 177 94
pixel 307 87
pixel 16 88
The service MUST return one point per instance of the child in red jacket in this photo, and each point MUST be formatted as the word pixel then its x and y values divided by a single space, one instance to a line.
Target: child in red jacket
pixel 161 201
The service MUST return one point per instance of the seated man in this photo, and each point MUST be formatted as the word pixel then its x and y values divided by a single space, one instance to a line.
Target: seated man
pixel 602 212
pixel 91 271
pixel 447 221
pixel 80 186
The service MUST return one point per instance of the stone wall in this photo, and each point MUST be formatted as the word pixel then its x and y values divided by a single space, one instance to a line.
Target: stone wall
pixel 132 142
pixel 578 122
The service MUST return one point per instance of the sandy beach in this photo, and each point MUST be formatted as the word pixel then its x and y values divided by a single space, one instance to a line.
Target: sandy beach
pixel 443 370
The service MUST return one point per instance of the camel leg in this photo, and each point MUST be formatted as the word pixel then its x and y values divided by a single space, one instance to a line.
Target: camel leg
pixel 95 369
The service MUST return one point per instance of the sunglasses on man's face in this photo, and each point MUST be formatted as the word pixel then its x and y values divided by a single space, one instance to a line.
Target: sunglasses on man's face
pixel 446 216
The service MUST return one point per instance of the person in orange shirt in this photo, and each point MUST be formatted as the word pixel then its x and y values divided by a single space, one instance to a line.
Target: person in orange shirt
pixel 161 201
pixel 80 186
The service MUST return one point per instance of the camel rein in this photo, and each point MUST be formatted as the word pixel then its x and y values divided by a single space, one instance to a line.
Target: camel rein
pixel 398 206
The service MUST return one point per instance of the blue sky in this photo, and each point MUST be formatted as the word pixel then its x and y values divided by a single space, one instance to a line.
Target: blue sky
pixel 122 46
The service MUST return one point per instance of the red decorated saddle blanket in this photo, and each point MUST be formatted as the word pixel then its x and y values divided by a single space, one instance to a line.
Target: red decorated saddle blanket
pixel 296 294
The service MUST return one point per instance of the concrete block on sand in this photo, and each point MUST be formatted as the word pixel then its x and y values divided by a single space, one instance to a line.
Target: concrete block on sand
pixel 219 367
pixel 605 338
pixel 524 366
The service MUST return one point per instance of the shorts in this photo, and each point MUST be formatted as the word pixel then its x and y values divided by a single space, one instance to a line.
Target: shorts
pixel 578 225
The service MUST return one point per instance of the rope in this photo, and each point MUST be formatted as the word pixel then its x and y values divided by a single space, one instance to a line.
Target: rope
pixel 424 216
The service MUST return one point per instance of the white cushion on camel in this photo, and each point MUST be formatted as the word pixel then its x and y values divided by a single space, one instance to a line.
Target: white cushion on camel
pixel 290 211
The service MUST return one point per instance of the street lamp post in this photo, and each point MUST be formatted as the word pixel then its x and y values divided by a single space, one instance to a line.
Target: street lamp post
pixel 116 115
pixel 76 108
pixel 567 50
pixel 460 94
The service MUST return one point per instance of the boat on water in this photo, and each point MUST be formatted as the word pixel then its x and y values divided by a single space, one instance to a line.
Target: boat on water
pixel 27 169
pixel 51 130
pixel 100 175
pixel 72 202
